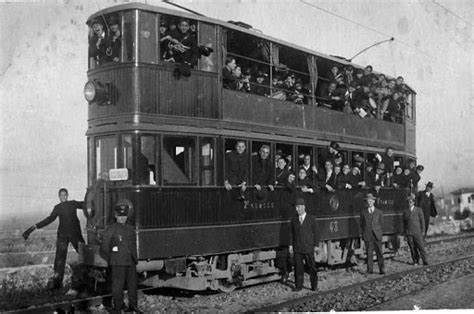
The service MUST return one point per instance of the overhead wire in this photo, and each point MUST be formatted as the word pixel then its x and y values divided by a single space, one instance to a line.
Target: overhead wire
pixel 379 32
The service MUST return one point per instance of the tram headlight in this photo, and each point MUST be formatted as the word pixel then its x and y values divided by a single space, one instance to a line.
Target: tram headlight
pixel 95 91
pixel 89 91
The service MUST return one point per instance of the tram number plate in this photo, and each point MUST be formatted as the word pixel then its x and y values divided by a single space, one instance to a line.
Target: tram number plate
pixel 333 227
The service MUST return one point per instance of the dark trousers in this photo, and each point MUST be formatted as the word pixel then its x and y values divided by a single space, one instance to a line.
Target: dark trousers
pixel 62 244
pixel 299 269
pixel 120 276
pixel 426 215
pixel 370 246
pixel 417 248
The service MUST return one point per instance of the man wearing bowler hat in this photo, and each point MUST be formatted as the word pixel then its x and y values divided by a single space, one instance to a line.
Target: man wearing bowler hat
pixel 414 223
pixel 303 240
pixel 425 200
pixel 371 221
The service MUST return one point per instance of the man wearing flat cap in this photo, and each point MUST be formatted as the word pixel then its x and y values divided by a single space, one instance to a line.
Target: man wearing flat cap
pixel 414 223
pixel 303 241
pixel 371 221
pixel 425 200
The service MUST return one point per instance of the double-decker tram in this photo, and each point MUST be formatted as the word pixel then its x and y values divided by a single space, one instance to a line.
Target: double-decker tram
pixel 162 118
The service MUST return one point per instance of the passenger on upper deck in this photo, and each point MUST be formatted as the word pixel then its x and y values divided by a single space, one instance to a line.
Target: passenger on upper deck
pixel 228 78
pixel 115 38
pixel 184 45
pixel 261 84
pixel 348 74
pixel 332 98
pixel 262 169
pixel 99 43
pixel 335 74
pixel 237 168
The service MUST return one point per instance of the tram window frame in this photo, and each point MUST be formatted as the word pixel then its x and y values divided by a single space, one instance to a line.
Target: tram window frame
pixel 104 175
pixel 322 155
pixel 148 50
pixel 154 152
pixel 288 57
pixel 191 174
pixel 171 20
pixel 229 144
pixel 105 20
pixel 212 163
pixel 249 56
pixel 129 39
pixel 256 145
pixel 207 36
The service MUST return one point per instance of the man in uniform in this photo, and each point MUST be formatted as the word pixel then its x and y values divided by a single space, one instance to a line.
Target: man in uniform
pixel 414 223
pixel 371 220
pixel 69 230
pixel 119 249
pixel 303 241
pixel 425 200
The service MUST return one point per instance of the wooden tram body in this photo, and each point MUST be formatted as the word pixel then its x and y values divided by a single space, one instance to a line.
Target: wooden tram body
pixel 191 232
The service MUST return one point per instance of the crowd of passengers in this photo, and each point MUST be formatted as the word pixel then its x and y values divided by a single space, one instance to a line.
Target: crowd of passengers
pixel 350 90
pixel 382 171
pixel 178 42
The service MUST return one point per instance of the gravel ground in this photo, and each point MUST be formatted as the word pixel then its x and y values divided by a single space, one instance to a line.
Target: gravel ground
pixel 276 292
pixel 268 294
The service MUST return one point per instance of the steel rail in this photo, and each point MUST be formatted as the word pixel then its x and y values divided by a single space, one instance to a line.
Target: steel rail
pixel 308 298
pixel 97 300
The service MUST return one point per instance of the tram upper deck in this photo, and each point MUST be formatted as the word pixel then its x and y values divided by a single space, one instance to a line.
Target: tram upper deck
pixel 142 90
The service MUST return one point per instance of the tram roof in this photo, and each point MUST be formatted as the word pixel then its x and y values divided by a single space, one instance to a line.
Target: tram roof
pixel 182 13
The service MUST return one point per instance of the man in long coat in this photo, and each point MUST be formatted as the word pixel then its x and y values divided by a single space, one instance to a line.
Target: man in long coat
pixel 371 221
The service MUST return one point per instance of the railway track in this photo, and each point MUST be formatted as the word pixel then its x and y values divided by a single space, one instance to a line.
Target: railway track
pixel 305 303
pixel 85 303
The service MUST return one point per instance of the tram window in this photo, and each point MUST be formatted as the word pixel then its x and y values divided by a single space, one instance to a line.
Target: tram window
pixel 303 153
pixel 148 51
pixel 358 160
pixel 292 68
pixel 129 35
pixel 207 43
pixel 372 162
pixel 322 154
pixel 90 161
pixel 106 156
pixel 147 158
pixel 176 46
pixel 285 151
pixel 127 152
pixel 105 40
pixel 179 160
pixel 262 164
pixel 207 161
pixel 252 56
pixel 398 161
pixel 236 166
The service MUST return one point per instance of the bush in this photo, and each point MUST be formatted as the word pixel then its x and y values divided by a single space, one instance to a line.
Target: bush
pixel 466 212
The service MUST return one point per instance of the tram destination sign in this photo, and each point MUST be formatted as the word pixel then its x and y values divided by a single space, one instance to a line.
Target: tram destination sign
pixel 118 174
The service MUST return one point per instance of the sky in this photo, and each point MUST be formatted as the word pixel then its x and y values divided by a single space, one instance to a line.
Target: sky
pixel 43 63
